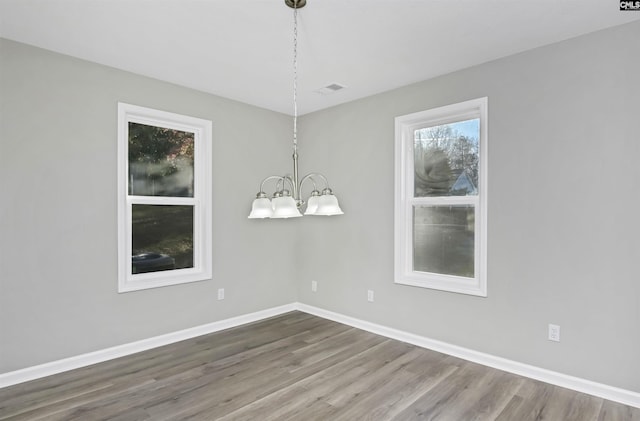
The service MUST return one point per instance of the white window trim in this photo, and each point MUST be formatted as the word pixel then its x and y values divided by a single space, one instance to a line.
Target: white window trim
pixel 201 200
pixel 404 200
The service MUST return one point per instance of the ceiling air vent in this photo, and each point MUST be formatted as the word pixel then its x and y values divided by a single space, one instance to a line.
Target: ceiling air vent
pixel 329 89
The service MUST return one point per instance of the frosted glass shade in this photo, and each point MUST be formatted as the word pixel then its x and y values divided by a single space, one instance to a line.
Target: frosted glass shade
pixel 285 207
pixel 261 208
pixel 328 205
pixel 312 205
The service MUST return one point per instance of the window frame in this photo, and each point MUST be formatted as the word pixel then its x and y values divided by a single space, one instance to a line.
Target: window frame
pixel 201 200
pixel 405 127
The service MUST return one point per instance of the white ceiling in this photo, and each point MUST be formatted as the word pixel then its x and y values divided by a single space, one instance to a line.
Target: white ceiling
pixel 242 49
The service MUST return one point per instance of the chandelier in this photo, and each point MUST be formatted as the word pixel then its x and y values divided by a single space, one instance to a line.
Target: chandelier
pixel 286 201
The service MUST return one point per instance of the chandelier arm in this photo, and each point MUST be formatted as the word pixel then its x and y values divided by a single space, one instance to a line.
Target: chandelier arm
pixel 316 174
pixel 291 182
pixel 310 177
pixel 271 177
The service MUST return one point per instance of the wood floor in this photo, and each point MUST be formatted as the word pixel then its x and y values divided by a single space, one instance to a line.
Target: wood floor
pixel 297 367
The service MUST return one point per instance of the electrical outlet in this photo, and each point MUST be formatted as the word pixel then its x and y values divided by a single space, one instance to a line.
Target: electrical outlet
pixel 220 293
pixel 554 333
pixel 370 295
pixel 314 286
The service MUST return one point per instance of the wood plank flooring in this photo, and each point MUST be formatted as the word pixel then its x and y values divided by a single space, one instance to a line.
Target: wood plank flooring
pixel 297 367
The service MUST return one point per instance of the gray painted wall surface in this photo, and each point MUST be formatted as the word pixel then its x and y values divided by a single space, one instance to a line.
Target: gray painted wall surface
pixel 562 233
pixel 58 241
pixel 563 237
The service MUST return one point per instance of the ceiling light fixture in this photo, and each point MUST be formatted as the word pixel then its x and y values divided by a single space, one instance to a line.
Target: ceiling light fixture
pixel 287 203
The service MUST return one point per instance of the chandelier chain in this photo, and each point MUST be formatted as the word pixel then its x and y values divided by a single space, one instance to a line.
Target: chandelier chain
pixel 295 78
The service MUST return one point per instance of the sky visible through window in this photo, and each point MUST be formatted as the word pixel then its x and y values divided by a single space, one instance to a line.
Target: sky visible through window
pixel 469 128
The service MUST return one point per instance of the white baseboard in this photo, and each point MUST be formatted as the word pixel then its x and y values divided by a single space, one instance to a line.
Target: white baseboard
pixel 604 391
pixel 78 361
pixel 589 387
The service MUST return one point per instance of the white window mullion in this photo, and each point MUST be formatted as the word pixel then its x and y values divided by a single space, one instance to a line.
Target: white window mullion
pixel 444 201
pixel 160 200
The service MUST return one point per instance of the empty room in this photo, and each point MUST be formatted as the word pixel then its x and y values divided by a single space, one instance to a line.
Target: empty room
pixel 319 210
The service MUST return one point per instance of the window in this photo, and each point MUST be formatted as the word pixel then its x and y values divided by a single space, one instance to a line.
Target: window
pixel 441 198
pixel 164 198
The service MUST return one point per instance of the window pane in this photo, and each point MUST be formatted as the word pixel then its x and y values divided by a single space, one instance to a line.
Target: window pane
pixel 443 239
pixel 162 238
pixel 446 159
pixel 160 161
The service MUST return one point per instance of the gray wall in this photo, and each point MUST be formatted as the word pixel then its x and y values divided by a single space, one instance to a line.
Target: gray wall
pixel 563 202
pixel 58 264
